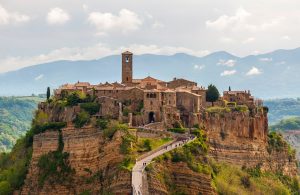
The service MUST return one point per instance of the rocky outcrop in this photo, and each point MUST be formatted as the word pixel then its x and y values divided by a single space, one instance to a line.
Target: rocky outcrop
pixel 171 177
pixel 241 139
pixel 94 159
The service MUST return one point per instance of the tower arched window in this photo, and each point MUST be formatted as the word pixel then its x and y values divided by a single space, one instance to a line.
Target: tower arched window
pixel 127 59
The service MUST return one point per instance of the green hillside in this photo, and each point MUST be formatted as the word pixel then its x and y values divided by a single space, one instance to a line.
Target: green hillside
pixel 15 118
pixel 282 108
pixel 292 123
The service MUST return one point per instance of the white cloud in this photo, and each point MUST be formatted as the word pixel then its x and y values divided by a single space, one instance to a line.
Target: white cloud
pixel 241 21
pixel 126 21
pixel 286 37
pixel 228 73
pixel 253 71
pixel 39 77
pixel 7 17
pixel 249 40
pixel 266 59
pixel 57 16
pixel 199 66
pixel 229 63
pixel 89 53
pixel 225 21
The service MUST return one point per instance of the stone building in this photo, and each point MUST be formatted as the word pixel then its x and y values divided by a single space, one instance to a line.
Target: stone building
pixel 143 101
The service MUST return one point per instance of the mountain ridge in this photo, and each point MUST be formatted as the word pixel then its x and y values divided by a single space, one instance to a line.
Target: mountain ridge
pixel 274 72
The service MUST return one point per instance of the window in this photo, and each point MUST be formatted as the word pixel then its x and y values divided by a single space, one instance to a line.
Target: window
pixel 127 59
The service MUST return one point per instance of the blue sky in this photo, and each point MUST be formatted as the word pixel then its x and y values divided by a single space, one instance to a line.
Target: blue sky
pixel 35 31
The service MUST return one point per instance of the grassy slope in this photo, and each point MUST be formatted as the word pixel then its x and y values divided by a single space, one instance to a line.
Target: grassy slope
pixel 15 119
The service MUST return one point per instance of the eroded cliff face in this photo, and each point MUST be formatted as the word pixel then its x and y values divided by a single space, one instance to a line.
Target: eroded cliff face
pixel 94 159
pixel 168 178
pixel 241 139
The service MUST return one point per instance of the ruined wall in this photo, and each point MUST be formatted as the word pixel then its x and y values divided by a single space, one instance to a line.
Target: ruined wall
pixel 88 151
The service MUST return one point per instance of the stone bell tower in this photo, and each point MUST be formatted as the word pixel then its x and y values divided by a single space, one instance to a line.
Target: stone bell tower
pixel 127 67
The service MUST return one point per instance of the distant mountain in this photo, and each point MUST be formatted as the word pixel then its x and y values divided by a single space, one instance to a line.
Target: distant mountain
pixel 269 75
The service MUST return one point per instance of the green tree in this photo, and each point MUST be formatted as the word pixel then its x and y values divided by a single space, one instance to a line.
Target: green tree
pixel 48 93
pixel 229 88
pixel 212 94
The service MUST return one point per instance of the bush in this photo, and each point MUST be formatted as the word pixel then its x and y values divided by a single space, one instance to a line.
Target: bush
pixel 177 125
pixel 82 118
pixel 241 108
pixel 217 109
pixel 101 123
pixel 177 130
pixel 112 127
pixel 126 111
pixel 36 129
pixel 276 142
pixel 90 107
pixel 147 145
pixel 5 188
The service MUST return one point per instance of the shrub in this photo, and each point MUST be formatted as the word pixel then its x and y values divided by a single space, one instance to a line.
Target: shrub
pixel 177 125
pixel 177 130
pixel 241 108
pixel 112 127
pixel 101 123
pixel 90 107
pixel 276 142
pixel 73 99
pixel 5 188
pixel 125 146
pixel 126 111
pixel 147 145
pixel 36 129
pixel 82 118
pixel 217 109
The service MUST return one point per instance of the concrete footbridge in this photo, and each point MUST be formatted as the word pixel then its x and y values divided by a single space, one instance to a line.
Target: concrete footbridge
pixel 144 160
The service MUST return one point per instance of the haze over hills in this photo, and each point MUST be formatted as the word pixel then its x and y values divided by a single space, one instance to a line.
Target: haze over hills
pixel 270 75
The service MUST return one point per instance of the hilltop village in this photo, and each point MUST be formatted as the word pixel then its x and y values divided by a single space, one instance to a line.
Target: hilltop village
pixel 148 136
pixel 149 100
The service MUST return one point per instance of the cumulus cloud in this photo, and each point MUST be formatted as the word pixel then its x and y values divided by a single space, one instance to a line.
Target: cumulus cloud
pixel 88 53
pixel 240 21
pixel 229 63
pixel 39 77
pixel 125 21
pixel 7 17
pixel 253 71
pixel 57 16
pixel 199 66
pixel 228 73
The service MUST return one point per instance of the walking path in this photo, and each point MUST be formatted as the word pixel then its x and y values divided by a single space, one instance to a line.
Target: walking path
pixel 142 162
